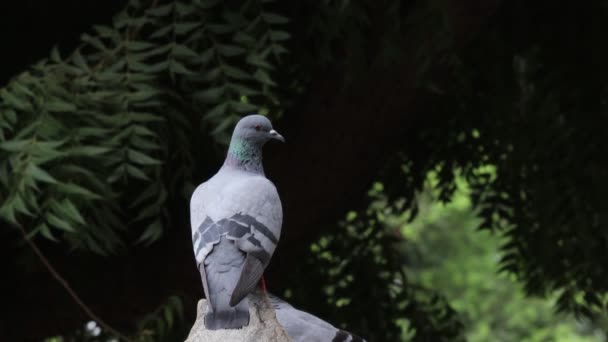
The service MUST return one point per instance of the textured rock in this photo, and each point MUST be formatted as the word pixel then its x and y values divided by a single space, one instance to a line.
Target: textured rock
pixel 263 325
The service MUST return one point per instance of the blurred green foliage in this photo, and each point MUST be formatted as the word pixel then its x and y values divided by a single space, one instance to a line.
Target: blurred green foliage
pixel 365 284
pixel 447 251
pixel 429 273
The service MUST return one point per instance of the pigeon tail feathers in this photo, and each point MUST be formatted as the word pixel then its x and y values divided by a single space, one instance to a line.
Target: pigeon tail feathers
pixel 223 269
pixel 228 318
pixel 249 279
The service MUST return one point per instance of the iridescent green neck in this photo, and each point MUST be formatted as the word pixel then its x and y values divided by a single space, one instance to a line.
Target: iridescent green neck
pixel 245 156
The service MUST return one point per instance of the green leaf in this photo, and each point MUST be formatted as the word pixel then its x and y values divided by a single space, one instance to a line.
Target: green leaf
pixel 223 126
pixel 229 50
pixel 143 77
pixel 104 31
pixel 71 71
pixel 14 145
pixel 57 105
pixel 70 210
pixel 207 55
pixel 76 170
pixel 220 28
pixel 184 51
pixel 87 151
pixel 39 174
pixel 235 18
pixel 162 31
pixel 150 211
pixel 94 246
pixel 46 232
pixel 137 173
pixel 235 73
pixel 183 28
pixel 93 132
pixel 152 233
pixel 177 305
pixel 151 68
pixel 244 39
pixel 278 49
pixel 212 75
pixel 149 193
pixel 50 126
pixel 48 146
pixel 146 117
pixel 257 60
pixel 140 158
pixel 184 9
pixel 179 68
pixel 208 4
pixel 59 223
pixel 143 95
pixel 79 60
pixel 243 90
pixel 273 18
pixel 139 45
pixel 263 77
pixel 14 101
pixel 143 131
pixel 44 152
pixel 4 174
pixel 55 56
pixel 160 11
pixel 217 111
pixel 210 95
pixel 19 205
pixel 71 188
pixel 279 35
pixel 93 41
pixel 243 107
pixel 7 211
pixel 10 116
pixel 28 130
pixel 107 76
pixel 22 88
pixel 145 144
pixel 168 316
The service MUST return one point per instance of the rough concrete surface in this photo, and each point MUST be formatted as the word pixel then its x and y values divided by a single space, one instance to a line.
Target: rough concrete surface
pixel 263 325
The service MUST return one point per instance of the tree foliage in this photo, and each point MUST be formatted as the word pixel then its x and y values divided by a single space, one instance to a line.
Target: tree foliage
pixel 523 101
pixel 100 145
pixel 98 141
pixel 360 270
pixel 447 250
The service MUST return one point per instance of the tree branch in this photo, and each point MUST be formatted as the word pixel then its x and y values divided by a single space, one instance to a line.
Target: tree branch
pixel 69 289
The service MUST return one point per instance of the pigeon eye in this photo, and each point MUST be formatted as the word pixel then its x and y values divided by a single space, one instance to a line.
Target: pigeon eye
pixel 257 127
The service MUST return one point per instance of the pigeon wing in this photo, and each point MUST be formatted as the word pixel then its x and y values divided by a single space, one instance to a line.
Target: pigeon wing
pixel 245 209
pixel 249 279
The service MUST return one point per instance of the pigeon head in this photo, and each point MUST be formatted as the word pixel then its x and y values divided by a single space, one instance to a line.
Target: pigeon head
pixel 255 129
pixel 250 135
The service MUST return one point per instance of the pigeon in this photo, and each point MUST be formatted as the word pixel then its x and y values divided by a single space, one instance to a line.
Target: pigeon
pixel 304 327
pixel 236 219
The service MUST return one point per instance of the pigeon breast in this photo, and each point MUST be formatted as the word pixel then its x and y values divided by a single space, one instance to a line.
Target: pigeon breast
pixel 234 203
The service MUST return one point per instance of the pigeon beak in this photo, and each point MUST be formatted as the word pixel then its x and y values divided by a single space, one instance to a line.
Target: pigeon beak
pixel 275 135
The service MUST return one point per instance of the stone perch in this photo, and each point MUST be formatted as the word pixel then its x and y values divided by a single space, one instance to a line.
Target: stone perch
pixel 263 325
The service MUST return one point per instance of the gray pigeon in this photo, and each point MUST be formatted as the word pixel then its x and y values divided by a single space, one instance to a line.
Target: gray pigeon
pixel 236 221
pixel 304 327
